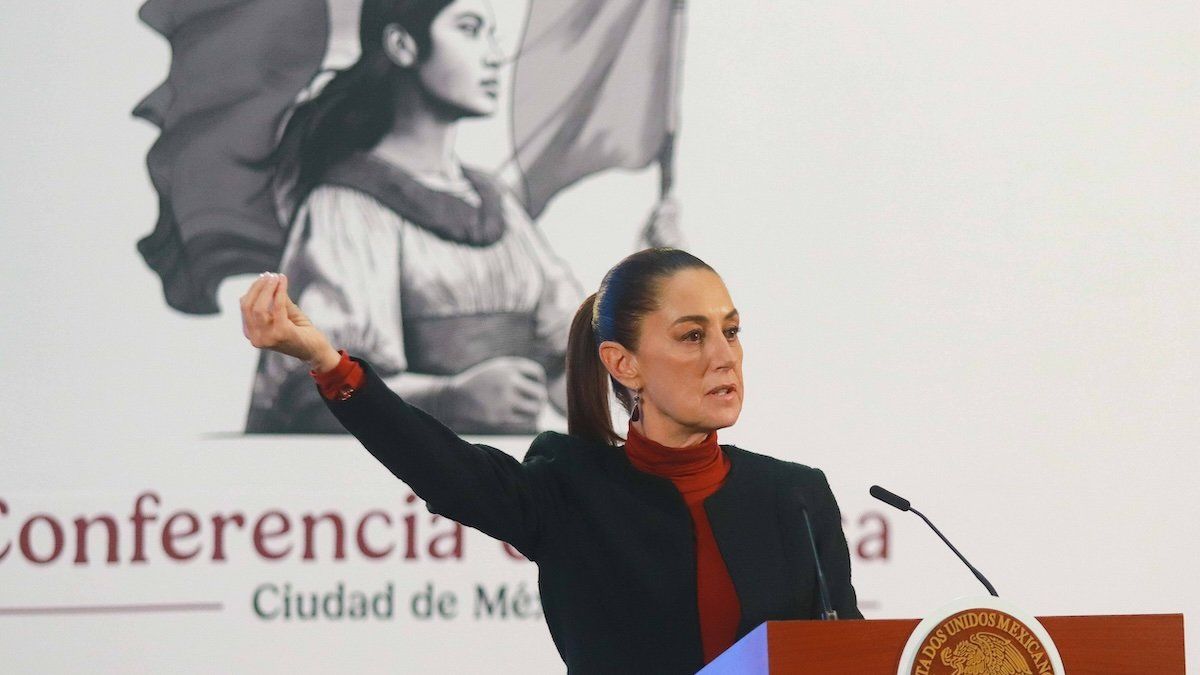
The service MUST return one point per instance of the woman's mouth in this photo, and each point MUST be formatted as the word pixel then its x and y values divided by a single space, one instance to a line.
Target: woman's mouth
pixel 725 392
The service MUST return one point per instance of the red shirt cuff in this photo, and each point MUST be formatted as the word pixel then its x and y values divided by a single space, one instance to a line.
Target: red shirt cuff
pixel 341 382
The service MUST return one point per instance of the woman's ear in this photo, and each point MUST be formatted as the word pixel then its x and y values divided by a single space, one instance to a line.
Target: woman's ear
pixel 399 46
pixel 621 364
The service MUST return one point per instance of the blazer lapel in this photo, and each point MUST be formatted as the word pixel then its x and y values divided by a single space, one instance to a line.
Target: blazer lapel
pixel 745 521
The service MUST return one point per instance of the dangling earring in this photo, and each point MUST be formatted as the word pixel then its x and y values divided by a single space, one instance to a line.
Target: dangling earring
pixel 635 413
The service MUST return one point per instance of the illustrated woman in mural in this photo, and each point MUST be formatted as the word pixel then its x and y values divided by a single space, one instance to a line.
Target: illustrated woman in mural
pixel 348 180
pixel 431 270
pixel 655 555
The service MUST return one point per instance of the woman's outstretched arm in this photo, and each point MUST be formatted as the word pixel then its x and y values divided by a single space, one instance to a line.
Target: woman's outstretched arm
pixel 477 485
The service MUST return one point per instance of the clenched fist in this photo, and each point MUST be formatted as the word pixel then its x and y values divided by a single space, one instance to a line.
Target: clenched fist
pixel 270 320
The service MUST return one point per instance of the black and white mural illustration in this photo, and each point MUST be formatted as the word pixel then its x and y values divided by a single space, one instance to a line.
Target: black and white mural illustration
pixel 318 138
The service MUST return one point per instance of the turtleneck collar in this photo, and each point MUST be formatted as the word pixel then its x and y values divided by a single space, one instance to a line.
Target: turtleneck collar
pixel 695 469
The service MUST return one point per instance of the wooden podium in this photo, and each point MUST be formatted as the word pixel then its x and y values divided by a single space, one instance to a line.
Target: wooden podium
pixel 1099 645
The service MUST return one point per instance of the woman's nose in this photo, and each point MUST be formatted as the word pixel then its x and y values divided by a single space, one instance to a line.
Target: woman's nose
pixel 494 57
pixel 723 355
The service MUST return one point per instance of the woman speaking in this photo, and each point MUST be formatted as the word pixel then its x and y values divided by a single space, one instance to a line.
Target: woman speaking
pixel 655 555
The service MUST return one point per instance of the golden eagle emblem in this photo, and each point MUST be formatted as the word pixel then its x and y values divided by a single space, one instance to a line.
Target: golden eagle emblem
pixel 985 654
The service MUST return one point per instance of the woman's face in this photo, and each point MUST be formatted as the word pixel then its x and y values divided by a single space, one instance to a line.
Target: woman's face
pixel 462 70
pixel 689 358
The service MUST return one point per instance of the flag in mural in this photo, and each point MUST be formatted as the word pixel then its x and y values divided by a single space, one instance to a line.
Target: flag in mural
pixel 236 69
pixel 615 68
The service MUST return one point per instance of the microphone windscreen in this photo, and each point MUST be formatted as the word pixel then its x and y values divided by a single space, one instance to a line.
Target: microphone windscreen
pixel 889 498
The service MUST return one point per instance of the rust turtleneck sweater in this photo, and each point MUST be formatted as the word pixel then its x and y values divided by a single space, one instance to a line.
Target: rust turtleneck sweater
pixel 697 472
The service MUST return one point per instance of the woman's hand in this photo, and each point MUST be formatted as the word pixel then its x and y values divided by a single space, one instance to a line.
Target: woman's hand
pixel 504 394
pixel 270 320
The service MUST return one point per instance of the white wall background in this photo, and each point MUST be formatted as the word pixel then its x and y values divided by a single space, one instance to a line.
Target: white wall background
pixel 963 238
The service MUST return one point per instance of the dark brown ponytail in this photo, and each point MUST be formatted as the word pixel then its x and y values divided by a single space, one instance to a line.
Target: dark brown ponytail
pixel 628 292
pixel 588 415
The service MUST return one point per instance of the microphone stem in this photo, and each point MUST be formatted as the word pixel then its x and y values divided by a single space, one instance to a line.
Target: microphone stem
pixel 980 577
pixel 828 613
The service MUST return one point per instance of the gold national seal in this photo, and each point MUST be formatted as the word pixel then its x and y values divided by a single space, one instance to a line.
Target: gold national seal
pixel 981 641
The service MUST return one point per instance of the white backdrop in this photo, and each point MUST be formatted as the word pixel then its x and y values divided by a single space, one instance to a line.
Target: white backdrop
pixel 963 239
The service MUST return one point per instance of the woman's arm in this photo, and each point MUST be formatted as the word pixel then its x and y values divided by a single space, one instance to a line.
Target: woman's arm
pixel 476 485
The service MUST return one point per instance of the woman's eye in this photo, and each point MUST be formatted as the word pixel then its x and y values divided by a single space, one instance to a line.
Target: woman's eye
pixel 693 336
pixel 732 332
pixel 470 28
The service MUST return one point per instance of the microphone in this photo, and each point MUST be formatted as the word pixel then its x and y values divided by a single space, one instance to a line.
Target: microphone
pixel 896 501
pixel 828 613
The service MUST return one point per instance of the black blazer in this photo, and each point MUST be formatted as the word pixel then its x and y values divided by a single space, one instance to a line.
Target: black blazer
pixel 615 546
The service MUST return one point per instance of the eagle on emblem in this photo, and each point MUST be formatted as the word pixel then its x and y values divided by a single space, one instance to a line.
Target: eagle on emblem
pixel 985 654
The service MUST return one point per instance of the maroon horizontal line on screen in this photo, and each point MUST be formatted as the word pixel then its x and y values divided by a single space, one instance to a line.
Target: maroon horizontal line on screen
pixel 117 609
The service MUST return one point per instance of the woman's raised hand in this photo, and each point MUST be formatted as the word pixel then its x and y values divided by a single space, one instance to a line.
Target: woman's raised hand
pixel 270 320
